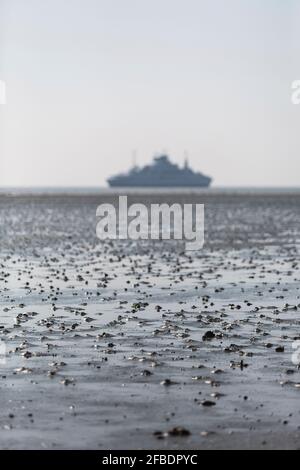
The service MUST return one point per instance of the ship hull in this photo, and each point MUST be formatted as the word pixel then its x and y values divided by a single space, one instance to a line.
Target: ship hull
pixel 154 184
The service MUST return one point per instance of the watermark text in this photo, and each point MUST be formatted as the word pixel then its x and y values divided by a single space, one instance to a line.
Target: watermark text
pixel 154 222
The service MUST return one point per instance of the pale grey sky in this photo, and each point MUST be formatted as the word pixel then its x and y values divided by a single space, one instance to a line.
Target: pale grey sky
pixel 88 81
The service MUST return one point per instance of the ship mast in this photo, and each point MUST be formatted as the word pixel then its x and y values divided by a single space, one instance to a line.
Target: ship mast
pixel 186 160
pixel 134 158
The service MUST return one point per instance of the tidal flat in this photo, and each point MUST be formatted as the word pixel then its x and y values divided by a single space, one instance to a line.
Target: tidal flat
pixel 140 345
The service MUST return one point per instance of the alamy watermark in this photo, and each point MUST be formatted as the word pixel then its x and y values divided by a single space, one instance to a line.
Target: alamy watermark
pixel 295 96
pixel 2 353
pixel 2 92
pixel 296 353
pixel 154 222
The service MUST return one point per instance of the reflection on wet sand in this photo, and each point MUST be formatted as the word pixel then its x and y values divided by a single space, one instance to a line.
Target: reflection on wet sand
pixel 141 345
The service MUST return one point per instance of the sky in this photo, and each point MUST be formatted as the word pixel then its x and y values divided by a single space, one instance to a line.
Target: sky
pixel 91 81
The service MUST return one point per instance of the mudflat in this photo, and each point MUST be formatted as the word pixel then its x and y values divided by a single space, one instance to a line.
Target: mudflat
pixel 127 345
